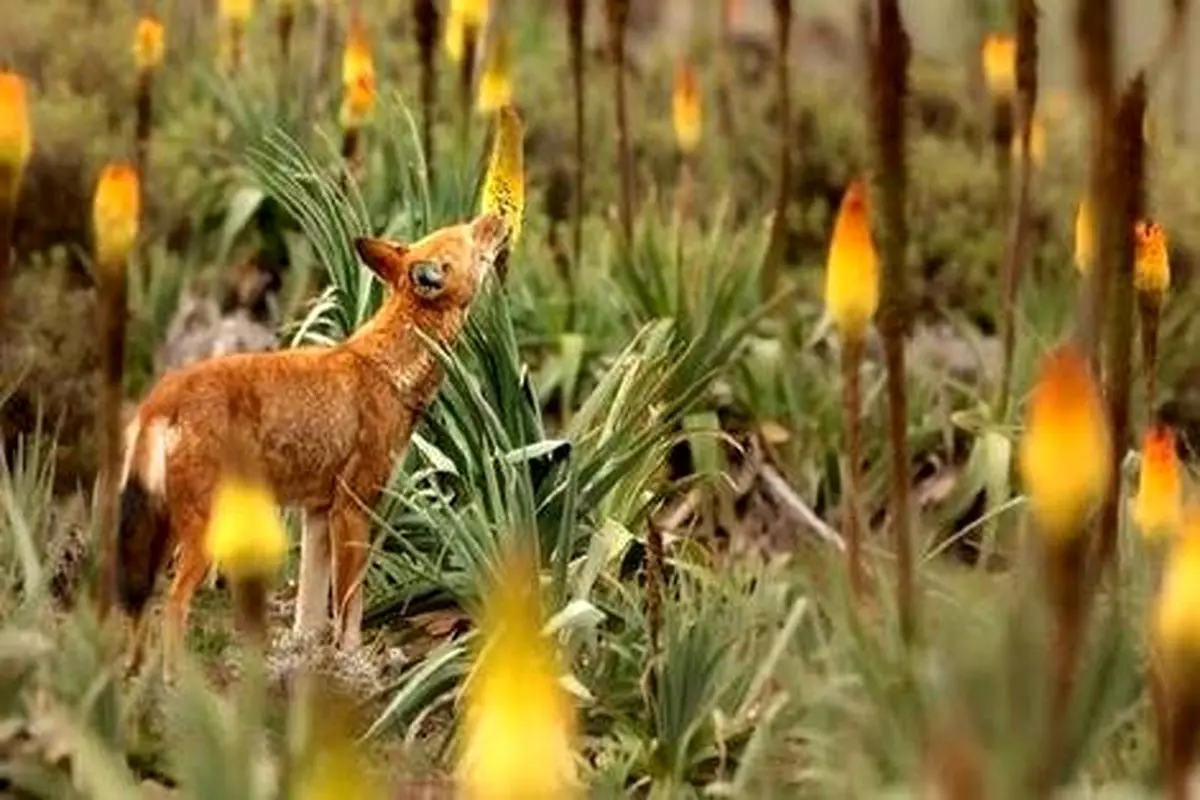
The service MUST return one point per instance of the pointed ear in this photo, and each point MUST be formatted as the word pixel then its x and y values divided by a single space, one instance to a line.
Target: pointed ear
pixel 385 259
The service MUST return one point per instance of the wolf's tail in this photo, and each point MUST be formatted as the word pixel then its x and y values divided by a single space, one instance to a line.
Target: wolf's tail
pixel 144 532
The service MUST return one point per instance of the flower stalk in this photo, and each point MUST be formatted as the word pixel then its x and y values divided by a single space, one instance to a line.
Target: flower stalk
pixel 576 15
pixel 1151 279
pixel 358 92
pixel 890 58
pixel 148 49
pixel 851 300
pixel 686 116
pixel 1065 415
pixel 425 14
pixel 116 209
pixel 1026 60
pixel 617 15
pixel 776 246
pixel 233 18
pixel 1127 189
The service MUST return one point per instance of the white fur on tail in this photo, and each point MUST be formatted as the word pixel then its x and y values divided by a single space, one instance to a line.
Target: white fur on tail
pixel 146 452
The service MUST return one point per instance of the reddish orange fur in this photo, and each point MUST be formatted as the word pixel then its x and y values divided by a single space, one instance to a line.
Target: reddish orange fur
pixel 325 423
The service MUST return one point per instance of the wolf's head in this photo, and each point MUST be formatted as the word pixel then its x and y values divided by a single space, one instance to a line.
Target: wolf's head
pixel 443 271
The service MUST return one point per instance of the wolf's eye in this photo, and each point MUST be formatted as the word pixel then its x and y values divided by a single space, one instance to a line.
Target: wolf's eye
pixel 428 277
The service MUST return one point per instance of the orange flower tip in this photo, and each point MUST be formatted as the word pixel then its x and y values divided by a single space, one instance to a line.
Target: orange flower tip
pixel 852 268
pixel 686 108
pixel 16 138
pixel 1152 266
pixel 1065 415
pixel 1157 508
pixel 999 56
pixel 149 45
pixel 116 208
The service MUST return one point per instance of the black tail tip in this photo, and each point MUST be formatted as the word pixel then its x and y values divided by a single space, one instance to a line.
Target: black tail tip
pixel 141 546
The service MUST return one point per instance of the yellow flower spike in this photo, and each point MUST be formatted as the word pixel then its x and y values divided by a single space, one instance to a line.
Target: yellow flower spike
pixel 1085 236
pixel 455 37
pixel 1157 509
pixel 1037 143
pixel 245 538
pixel 686 110
pixel 116 207
pixel 1065 419
pixel 504 184
pixel 474 13
pixel 852 269
pixel 1176 613
pixel 148 44
pixel 495 84
pixel 999 56
pixel 357 61
pixel 16 138
pixel 235 11
pixel 518 722
pixel 357 103
pixel 1152 267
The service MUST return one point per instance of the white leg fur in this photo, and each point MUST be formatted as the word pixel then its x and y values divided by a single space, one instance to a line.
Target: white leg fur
pixel 312 594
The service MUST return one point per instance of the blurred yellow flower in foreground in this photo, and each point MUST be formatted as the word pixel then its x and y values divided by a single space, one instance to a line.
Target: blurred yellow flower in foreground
pixel 999 56
pixel 1158 506
pixel 495 85
pixel 245 537
pixel 148 44
pixel 504 184
pixel 357 61
pixel 518 721
pixel 686 110
pixel 116 207
pixel 1085 236
pixel 1176 614
pixel 16 137
pixel 852 269
pixel 333 766
pixel 1152 267
pixel 1065 455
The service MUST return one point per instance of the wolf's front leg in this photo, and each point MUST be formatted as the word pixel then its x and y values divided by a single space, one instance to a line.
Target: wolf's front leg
pixel 312 593
pixel 349 528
